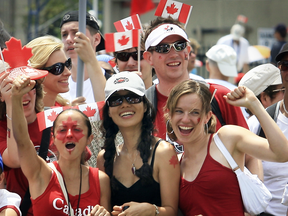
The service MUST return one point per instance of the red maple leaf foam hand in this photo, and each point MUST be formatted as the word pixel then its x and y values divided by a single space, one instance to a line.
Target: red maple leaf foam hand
pixel 129 26
pixel 89 112
pixel 52 116
pixel 124 40
pixel 171 9
pixel 15 55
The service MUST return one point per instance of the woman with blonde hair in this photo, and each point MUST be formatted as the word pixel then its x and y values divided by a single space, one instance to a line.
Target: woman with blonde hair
pixel 48 55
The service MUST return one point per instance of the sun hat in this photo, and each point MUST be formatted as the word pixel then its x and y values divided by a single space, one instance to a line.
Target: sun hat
pixel 237 31
pixel 282 52
pixel 163 31
pixel 17 58
pixel 124 81
pixel 225 57
pixel 260 77
pixel 90 21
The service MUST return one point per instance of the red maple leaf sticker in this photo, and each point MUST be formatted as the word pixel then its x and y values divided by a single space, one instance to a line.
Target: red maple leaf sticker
pixel 174 160
pixel 124 40
pixel 171 9
pixel 129 26
pixel 15 55
pixel 52 116
pixel 89 112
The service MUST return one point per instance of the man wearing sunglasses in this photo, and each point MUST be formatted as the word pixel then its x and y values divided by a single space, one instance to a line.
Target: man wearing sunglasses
pixel 78 44
pixel 276 174
pixel 167 51
pixel 127 60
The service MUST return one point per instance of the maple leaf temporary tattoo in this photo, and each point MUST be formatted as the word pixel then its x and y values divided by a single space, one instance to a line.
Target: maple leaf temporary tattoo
pixel 173 161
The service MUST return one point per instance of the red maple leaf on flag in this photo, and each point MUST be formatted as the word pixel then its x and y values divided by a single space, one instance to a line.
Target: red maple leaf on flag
pixel 15 55
pixel 171 9
pixel 174 160
pixel 52 116
pixel 89 112
pixel 129 26
pixel 124 40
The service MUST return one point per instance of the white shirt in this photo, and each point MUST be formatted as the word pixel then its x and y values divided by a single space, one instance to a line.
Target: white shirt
pixel 275 174
pixel 241 49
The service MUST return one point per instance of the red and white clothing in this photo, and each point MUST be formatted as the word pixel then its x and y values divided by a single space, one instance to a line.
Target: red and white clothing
pixel 52 201
pixel 15 179
pixel 9 200
pixel 215 191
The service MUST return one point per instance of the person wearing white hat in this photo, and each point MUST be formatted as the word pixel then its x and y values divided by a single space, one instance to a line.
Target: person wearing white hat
pixel 221 65
pixel 236 40
pixel 265 82
pixel 144 169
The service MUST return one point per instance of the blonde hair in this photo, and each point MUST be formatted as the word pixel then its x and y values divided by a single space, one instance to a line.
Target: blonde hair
pixel 42 48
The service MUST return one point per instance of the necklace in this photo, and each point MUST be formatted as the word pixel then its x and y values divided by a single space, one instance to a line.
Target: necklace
pixel 78 196
pixel 133 164
pixel 284 107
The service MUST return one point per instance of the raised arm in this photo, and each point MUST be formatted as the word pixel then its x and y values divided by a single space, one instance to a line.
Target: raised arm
pixel 33 167
pixel 276 148
pixel 87 54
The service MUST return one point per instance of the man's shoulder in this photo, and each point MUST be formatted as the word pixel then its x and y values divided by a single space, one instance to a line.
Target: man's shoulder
pixel 226 38
pixel 220 89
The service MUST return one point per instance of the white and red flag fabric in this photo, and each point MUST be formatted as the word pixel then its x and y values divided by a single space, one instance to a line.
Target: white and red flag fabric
pixel 47 117
pixel 122 40
pixel 175 9
pixel 242 18
pixel 128 23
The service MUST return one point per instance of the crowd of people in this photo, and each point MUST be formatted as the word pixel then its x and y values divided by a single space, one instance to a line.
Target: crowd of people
pixel 154 150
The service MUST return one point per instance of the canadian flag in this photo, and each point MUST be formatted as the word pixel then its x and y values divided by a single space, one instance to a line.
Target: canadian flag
pixel 176 10
pixel 47 117
pixel 242 18
pixel 129 23
pixel 122 40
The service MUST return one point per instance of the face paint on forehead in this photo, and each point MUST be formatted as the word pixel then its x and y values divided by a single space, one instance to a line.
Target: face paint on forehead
pixel 69 131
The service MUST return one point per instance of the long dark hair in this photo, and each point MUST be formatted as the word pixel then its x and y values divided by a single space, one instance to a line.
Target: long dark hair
pixel 146 139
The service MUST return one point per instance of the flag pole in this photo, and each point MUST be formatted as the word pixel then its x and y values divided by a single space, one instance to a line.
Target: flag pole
pixel 80 65
pixel 139 48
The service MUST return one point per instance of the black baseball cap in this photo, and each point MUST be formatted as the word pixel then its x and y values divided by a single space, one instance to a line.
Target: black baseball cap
pixel 282 52
pixel 90 21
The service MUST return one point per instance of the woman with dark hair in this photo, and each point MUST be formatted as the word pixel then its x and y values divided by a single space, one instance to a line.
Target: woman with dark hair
pixel 66 186
pixel 208 185
pixel 143 170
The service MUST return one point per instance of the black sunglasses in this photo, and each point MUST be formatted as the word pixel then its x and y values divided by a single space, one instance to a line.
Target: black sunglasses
pixel 124 56
pixel 59 67
pixel 283 65
pixel 165 48
pixel 117 100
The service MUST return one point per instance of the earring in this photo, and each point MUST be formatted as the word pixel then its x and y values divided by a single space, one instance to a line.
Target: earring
pixel 206 128
pixel 167 124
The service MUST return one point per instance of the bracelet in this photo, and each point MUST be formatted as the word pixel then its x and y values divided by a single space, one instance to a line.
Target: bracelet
pixel 8 117
pixel 156 209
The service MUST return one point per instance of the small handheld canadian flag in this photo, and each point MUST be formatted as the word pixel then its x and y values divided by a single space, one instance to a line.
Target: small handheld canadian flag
pixel 47 117
pixel 129 23
pixel 242 18
pixel 122 40
pixel 175 9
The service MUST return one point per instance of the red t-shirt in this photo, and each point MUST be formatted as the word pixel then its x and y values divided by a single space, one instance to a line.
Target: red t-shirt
pixel 160 124
pixel 52 201
pixel 15 179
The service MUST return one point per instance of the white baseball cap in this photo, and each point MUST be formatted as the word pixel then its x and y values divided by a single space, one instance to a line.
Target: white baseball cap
pixel 124 81
pixel 163 31
pixel 237 31
pixel 226 59
pixel 260 77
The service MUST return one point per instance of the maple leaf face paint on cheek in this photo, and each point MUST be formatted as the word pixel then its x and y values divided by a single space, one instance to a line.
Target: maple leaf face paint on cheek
pixel 69 131
pixel 198 120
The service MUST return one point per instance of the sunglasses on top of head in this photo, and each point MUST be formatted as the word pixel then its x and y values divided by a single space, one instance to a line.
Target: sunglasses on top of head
pixel 117 100
pixel 124 56
pixel 58 68
pixel 165 48
pixel 283 65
